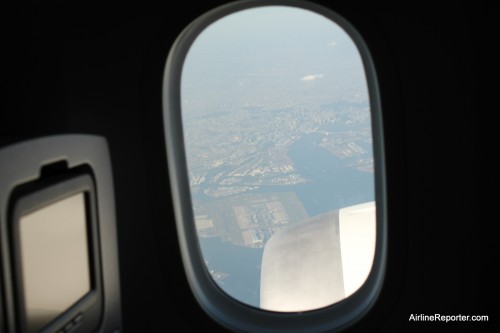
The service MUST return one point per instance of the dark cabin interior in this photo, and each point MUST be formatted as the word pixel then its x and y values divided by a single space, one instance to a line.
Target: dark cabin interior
pixel 95 69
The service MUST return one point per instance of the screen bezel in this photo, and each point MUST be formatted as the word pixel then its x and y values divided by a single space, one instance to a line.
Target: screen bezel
pixel 33 196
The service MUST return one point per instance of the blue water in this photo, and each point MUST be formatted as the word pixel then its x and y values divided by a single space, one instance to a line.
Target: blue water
pixel 241 263
pixel 332 185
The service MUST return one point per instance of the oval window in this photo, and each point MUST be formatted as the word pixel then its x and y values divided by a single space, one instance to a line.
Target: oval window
pixel 277 131
pixel 274 142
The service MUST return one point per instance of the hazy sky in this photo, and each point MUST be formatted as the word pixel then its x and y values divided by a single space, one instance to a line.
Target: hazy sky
pixel 271 48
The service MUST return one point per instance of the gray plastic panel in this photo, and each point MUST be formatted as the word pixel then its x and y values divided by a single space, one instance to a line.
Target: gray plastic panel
pixel 21 163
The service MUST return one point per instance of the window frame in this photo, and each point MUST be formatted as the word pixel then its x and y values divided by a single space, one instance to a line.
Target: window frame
pixel 220 306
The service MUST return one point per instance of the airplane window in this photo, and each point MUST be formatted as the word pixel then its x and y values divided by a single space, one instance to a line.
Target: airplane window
pixel 278 138
pixel 274 140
